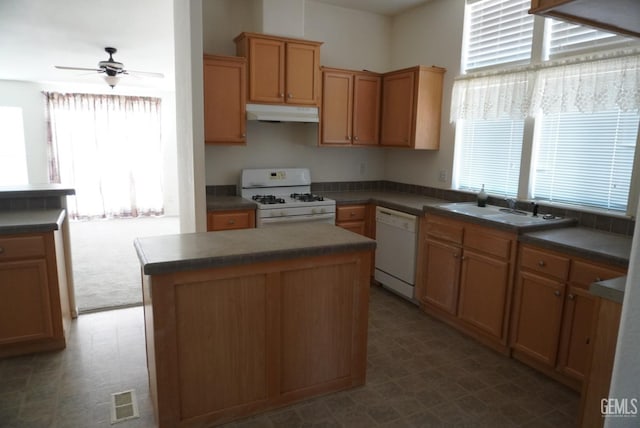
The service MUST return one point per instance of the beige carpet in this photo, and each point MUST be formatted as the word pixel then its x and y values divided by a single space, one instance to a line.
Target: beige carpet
pixel 105 265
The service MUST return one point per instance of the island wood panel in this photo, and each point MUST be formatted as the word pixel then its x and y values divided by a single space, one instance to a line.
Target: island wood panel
pixel 317 325
pixel 221 342
pixel 168 304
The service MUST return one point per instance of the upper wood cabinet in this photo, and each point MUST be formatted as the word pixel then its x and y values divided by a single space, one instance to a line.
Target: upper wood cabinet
pixel 618 16
pixel 224 99
pixel 350 107
pixel 281 70
pixel 411 108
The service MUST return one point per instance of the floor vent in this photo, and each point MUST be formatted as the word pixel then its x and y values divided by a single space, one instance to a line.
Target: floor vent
pixel 124 406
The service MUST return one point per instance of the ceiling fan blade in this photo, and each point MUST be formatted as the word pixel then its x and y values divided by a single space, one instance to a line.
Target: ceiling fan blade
pixel 145 73
pixel 61 67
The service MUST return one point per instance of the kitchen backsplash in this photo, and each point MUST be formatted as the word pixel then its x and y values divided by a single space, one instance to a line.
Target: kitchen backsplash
pixel 624 226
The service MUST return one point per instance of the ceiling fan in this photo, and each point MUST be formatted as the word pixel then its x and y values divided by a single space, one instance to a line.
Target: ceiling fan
pixel 112 69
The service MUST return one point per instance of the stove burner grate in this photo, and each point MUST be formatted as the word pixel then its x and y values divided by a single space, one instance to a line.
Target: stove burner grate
pixel 306 197
pixel 267 199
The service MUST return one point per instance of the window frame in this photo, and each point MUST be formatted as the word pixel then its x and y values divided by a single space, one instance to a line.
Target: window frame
pixel 527 174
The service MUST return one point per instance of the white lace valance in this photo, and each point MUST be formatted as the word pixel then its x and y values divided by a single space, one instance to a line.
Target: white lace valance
pixel 492 97
pixel 588 86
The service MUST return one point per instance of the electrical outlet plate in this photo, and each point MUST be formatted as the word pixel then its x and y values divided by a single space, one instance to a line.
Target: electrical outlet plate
pixel 442 176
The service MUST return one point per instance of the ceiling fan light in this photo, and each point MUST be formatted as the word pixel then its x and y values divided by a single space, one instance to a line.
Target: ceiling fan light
pixel 111 80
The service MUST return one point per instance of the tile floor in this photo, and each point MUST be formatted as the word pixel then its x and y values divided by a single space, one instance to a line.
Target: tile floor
pixel 421 373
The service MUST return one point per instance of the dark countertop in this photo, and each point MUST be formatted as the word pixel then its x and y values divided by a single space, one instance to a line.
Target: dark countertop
pixel 192 251
pixel 560 235
pixel 406 202
pixel 226 203
pixel 611 289
pixel 35 190
pixel 591 244
pixel 30 221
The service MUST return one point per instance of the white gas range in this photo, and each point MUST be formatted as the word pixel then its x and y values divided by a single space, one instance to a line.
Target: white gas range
pixel 284 196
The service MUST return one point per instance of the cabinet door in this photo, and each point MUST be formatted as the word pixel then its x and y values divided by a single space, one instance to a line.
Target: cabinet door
pixel 483 292
pixel 337 107
pixel 538 314
pixel 224 100
pixel 366 110
pixel 397 109
pixel 25 312
pixel 302 73
pixel 575 343
pixel 441 276
pixel 266 70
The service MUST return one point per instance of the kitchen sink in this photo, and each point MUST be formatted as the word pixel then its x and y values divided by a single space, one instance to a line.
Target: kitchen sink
pixel 513 211
pixel 501 215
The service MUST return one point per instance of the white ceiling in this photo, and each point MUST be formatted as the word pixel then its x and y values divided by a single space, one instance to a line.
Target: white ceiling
pixel 382 7
pixel 35 35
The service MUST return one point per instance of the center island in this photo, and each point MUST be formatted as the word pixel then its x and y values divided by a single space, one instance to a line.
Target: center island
pixel 238 322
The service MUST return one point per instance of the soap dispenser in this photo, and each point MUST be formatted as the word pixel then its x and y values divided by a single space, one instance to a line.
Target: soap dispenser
pixel 482 197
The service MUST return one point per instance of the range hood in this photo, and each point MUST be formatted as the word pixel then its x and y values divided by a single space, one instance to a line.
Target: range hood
pixel 282 113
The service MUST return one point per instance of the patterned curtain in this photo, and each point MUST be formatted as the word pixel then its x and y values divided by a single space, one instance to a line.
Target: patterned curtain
pixel 107 147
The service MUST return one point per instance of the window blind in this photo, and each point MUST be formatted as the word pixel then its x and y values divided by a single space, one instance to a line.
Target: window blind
pixel 497 32
pixel 564 38
pixel 489 154
pixel 585 158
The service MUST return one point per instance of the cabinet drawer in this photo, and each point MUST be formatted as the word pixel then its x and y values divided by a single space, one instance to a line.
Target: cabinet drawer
pixel 444 230
pixel 584 273
pixel 546 263
pixel 230 220
pixel 350 213
pixel 21 247
pixel 489 243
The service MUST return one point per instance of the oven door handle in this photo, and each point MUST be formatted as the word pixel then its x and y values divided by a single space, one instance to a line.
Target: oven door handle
pixel 298 218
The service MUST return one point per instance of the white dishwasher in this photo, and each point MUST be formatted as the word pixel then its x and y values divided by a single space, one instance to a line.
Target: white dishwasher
pixel 396 251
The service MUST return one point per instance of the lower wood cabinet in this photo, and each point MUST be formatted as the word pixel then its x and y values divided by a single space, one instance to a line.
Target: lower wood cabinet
pixel 358 218
pixel 34 308
pixel 465 277
pixel 229 220
pixel 553 312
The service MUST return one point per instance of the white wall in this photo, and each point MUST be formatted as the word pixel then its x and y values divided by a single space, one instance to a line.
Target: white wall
pixel 428 35
pixel 28 96
pixel 352 39
pixel 272 145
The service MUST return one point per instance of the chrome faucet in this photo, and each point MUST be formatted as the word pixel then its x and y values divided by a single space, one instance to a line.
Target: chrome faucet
pixel 512 203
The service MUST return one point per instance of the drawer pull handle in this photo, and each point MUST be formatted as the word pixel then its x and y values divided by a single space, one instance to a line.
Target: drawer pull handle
pixel 351 214
pixel 232 221
pixel 1 250
pixel 456 255
pixel 557 293
pixel 598 279
pixel 571 296
pixel 541 263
